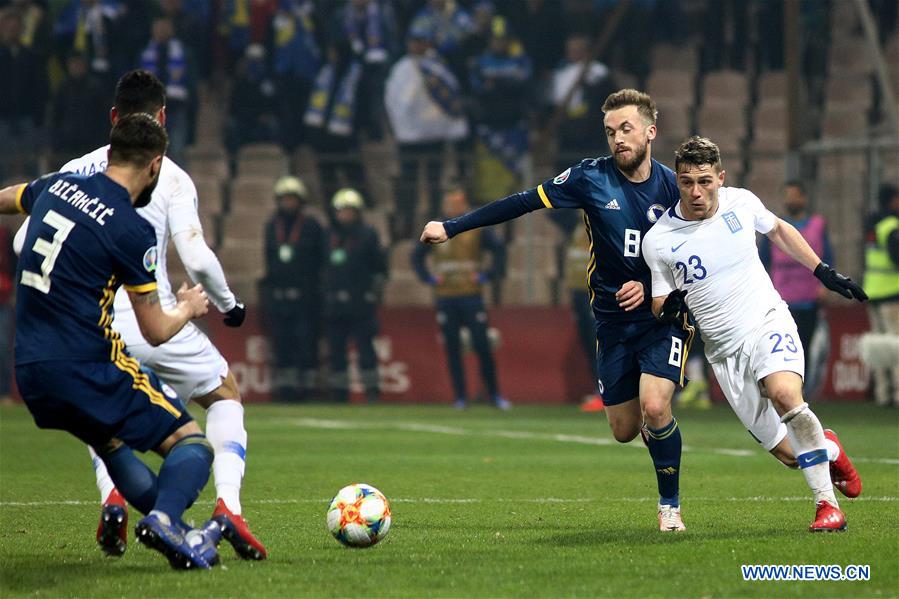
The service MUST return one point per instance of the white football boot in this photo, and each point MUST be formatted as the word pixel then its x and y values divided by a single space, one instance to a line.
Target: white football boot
pixel 669 518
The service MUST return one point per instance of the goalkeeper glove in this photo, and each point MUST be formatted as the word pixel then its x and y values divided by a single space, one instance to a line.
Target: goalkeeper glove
pixel 839 283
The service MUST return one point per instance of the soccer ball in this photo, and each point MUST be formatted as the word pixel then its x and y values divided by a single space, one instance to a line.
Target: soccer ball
pixel 359 515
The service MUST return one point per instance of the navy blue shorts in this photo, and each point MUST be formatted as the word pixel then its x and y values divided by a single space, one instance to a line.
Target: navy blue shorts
pixel 628 349
pixel 99 401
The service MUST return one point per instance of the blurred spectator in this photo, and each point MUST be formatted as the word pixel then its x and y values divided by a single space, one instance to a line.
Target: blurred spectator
pixel 447 25
pixel 87 27
pixel 476 43
pixel 246 22
pixel 192 30
pixel 500 81
pixel 24 97
pixel 253 105
pixel 881 283
pixel 353 279
pixel 168 58
pixel 582 114
pixel 795 283
pixel 541 29
pixel 297 57
pixel 7 312
pixel 425 113
pixel 724 37
pixel 290 291
pixel 457 275
pixel 369 36
pixel 35 26
pixel 80 111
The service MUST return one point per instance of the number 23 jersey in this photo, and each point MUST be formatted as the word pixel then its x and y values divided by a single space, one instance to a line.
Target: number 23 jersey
pixel 716 260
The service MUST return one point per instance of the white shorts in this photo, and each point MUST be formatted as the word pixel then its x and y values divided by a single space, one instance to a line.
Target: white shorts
pixel 774 347
pixel 188 362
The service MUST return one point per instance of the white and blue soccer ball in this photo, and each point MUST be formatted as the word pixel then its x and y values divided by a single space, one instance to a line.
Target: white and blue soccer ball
pixel 359 515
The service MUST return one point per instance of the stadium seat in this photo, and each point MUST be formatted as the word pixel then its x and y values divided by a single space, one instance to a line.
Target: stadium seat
pixel 730 87
pixel 207 161
pixel 771 85
pixel 849 55
pixel 242 257
pixel 674 119
pixel 252 194
pixel 669 57
pixel 407 291
pixel 540 256
pixel 672 87
pixel 209 194
pixel 261 160
pixel 844 121
pixel 400 257
pixel 521 290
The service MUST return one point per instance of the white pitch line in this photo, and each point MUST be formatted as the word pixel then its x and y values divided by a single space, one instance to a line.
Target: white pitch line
pixel 530 436
pixel 470 500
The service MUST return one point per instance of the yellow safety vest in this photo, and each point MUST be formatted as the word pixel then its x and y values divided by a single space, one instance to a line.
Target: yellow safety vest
pixel 881 274
pixel 577 254
pixel 457 263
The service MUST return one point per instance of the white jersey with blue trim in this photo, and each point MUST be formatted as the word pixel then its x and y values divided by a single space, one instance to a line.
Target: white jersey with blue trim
pixel 172 209
pixel 716 260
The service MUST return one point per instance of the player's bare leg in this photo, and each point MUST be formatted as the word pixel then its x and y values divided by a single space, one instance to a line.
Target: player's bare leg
pixel 807 439
pixel 228 437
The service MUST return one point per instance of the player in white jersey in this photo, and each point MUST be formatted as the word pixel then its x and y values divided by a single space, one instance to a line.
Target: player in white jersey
pixel 703 256
pixel 188 362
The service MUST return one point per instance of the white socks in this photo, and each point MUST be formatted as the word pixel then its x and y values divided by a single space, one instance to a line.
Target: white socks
pixel 226 434
pixel 807 438
pixel 104 482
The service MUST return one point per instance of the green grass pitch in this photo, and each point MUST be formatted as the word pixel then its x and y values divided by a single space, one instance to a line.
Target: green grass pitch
pixel 536 502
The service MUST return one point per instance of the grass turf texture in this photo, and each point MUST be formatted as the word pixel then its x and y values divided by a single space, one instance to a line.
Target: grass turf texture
pixel 535 502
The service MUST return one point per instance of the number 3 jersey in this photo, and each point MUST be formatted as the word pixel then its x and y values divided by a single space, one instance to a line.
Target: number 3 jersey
pixel 84 240
pixel 717 262
pixel 617 213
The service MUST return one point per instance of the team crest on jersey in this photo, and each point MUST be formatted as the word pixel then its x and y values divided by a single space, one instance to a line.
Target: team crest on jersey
pixel 150 259
pixel 655 212
pixel 562 177
pixel 733 223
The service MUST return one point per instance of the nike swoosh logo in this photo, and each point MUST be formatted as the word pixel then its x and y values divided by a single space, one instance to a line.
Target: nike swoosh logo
pixel 790 359
pixel 674 248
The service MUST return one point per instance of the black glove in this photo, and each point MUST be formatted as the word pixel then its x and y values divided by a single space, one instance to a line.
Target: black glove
pixel 839 283
pixel 236 315
pixel 674 308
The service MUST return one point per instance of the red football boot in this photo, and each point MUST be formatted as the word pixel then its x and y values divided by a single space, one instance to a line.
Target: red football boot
pixel 236 531
pixel 112 532
pixel 828 519
pixel 842 473
pixel 594 404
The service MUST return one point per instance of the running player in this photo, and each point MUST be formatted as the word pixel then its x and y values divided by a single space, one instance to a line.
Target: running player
pixel 639 360
pixel 703 256
pixel 85 241
pixel 188 362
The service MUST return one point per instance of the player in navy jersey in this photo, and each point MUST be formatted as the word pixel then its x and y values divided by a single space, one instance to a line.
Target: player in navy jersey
pixel 84 240
pixel 639 360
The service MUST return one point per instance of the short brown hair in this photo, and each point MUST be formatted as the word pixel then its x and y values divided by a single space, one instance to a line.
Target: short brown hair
pixel 696 151
pixel 633 97
pixel 136 139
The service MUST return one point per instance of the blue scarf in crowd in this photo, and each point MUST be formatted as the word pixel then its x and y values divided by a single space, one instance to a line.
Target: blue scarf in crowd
pixel 342 108
pixel 365 32
pixel 442 85
pixel 175 75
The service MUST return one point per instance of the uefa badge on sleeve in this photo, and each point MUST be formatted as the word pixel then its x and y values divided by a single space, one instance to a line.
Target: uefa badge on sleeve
pixel 150 259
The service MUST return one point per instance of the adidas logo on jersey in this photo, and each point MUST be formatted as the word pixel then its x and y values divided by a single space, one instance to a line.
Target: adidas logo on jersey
pixel 613 205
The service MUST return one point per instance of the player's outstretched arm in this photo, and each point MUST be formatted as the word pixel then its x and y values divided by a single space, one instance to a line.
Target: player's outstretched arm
pixel 788 239
pixel 204 267
pixel 9 199
pixel 434 232
pixel 493 213
pixel 158 325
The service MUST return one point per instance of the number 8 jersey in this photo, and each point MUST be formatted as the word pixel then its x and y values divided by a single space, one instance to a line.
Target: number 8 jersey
pixel 716 260
pixel 84 240
pixel 617 214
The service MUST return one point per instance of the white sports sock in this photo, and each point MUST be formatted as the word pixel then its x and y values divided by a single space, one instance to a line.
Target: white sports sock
pixel 104 482
pixel 833 450
pixel 226 434
pixel 807 438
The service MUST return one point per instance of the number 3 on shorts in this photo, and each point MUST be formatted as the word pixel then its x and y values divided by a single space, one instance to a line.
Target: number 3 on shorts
pixel 677 346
